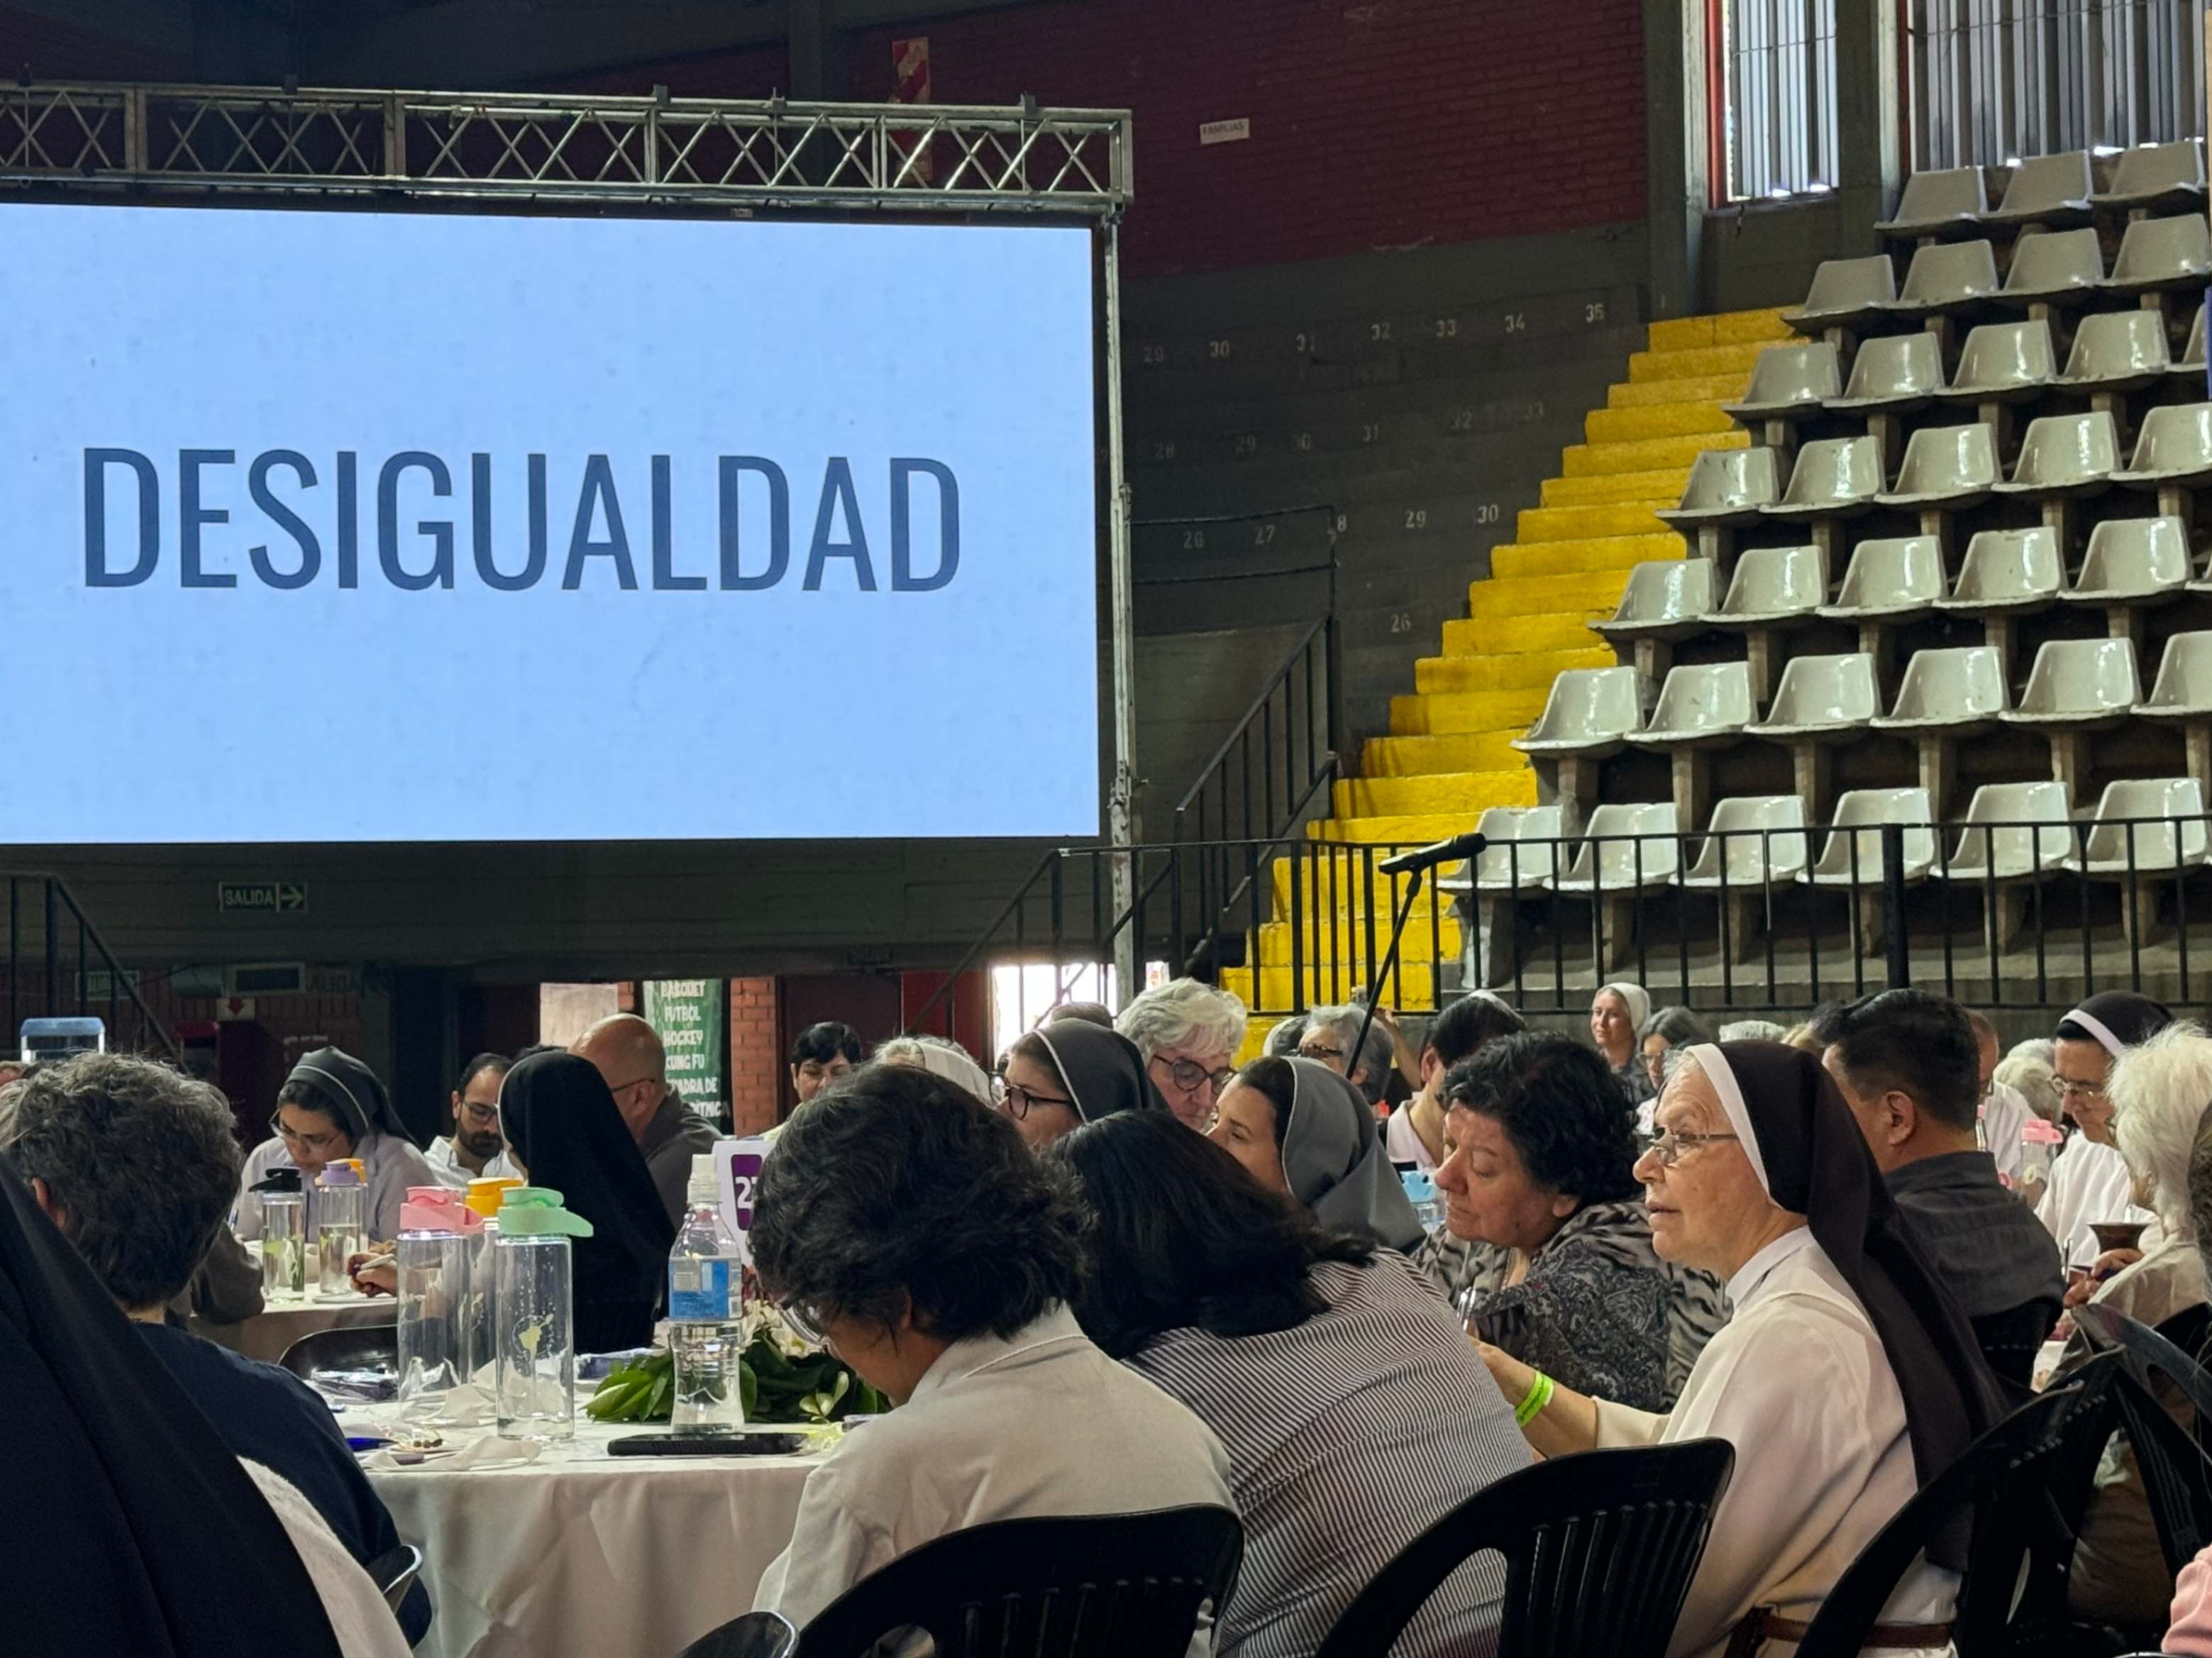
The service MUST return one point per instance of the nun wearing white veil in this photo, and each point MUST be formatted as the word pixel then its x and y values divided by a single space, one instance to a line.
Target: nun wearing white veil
pixel 1846 1379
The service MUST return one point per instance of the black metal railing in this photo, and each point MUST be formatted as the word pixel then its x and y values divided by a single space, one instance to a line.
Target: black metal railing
pixel 59 966
pixel 2007 915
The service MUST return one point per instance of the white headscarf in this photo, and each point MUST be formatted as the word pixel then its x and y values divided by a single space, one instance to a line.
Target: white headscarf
pixel 1635 998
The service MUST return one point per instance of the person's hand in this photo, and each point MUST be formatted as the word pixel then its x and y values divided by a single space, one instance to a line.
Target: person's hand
pixel 374 1275
pixel 2111 1262
pixel 1402 1052
pixel 1514 1379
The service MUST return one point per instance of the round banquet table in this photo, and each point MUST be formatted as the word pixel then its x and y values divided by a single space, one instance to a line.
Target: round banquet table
pixel 284 1319
pixel 584 1555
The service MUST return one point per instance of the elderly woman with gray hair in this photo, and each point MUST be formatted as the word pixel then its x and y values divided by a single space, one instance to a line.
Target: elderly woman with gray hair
pixel 1328 1039
pixel 1187 1033
pixel 2158 1090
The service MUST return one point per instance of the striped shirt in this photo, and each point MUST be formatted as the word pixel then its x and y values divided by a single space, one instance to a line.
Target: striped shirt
pixel 1348 1436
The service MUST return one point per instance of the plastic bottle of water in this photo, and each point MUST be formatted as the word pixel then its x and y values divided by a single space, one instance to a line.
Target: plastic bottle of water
pixel 1428 1202
pixel 706 1310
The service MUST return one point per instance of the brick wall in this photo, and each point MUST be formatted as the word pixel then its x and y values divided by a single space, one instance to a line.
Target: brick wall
pixel 755 1075
pixel 1390 125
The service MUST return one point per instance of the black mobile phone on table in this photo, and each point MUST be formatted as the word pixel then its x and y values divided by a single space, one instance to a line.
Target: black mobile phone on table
pixel 707 1444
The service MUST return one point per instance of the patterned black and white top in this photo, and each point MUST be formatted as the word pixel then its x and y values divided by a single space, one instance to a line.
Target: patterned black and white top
pixel 1348 1436
pixel 1598 1311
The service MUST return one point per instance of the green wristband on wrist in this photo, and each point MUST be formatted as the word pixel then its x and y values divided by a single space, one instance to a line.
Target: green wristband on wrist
pixel 1538 1396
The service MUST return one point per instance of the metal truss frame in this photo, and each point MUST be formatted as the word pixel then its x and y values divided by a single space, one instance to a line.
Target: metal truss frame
pixel 659 150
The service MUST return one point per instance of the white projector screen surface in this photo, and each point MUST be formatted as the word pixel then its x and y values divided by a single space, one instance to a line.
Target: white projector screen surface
pixel 361 526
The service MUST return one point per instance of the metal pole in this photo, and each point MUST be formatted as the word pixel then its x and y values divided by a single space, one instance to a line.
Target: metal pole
pixel 1122 797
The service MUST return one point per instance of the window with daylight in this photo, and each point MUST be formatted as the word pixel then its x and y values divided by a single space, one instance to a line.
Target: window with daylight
pixel 1775 106
pixel 1994 81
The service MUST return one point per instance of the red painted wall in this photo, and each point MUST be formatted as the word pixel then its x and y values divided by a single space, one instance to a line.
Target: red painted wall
pixel 1386 124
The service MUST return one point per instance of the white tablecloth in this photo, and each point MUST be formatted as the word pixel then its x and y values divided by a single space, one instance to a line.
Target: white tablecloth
pixel 582 1555
pixel 287 1318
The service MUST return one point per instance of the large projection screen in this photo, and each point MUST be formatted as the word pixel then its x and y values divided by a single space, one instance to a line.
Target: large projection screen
pixel 380 526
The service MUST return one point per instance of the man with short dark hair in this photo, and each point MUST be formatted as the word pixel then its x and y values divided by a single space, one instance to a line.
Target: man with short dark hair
pixel 136 1164
pixel 1415 1132
pixel 1908 1065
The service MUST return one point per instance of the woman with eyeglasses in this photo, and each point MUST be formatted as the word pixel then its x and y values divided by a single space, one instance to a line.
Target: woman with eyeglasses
pixel 1187 1035
pixel 909 1228
pixel 2090 1182
pixel 1538 1178
pixel 1846 1378
pixel 1063 1075
pixel 333 1106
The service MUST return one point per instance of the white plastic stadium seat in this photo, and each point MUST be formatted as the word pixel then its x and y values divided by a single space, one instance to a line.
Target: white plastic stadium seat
pixel 1844 292
pixel 1590 711
pixel 1960 689
pixel 1788 381
pixel 2054 269
pixel 1665 598
pixel 2048 189
pixel 1857 829
pixel 2116 351
pixel 2182 691
pixel 2175 449
pixel 2132 561
pixel 2153 842
pixel 1702 706
pixel 1648 858
pixel 1822 696
pixel 1755 839
pixel 1727 486
pixel 1833 476
pixel 2004 362
pixel 1891 580
pixel 2066 454
pixel 2079 684
pixel 1935 202
pixel 1947 276
pixel 1773 584
pixel 1502 867
pixel 1893 373
pixel 2037 843
pixel 1946 466
pixel 2007 570
pixel 2156 173
pixel 2158 253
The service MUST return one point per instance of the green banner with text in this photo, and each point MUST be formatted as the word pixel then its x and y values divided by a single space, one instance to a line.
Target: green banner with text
pixel 692 1016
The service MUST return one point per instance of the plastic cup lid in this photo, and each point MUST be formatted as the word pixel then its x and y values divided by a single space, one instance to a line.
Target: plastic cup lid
pixel 536 1211
pixel 438 1209
pixel 339 1175
pixel 484 1193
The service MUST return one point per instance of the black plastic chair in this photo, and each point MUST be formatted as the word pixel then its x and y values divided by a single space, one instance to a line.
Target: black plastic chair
pixel 2026 1483
pixel 352 1347
pixel 1599 1549
pixel 2177 1479
pixel 2010 1340
pixel 394 1573
pixel 756 1634
pixel 1104 1586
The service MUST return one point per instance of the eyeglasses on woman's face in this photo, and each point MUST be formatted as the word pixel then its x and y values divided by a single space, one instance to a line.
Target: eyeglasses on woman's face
pixel 1015 1100
pixel 1670 1145
pixel 1190 1076
pixel 314 1144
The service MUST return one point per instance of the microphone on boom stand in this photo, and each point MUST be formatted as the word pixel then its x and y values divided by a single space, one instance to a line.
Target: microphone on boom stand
pixel 1414 863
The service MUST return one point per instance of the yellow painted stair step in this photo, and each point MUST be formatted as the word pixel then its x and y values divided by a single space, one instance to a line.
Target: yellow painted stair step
pixel 1485 636
pixel 1478 711
pixel 1412 991
pixel 1331 885
pixel 1705 360
pixel 1514 788
pixel 1698 388
pixel 1446 676
pixel 1421 757
pixel 1724 328
pixel 1588 592
pixel 1590 459
pixel 1347 948
pixel 1610 489
pixel 1600 553
pixel 1665 420
pixel 1540 523
pixel 1436 792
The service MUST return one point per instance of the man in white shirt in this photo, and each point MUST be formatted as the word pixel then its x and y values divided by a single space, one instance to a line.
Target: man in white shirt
pixel 476 1150
pixel 2004 1111
pixel 1415 1131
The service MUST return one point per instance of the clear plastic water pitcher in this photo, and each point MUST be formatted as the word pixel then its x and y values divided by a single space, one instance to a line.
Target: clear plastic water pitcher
pixel 281 1210
pixel 341 1225
pixel 533 1316
pixel 438 1297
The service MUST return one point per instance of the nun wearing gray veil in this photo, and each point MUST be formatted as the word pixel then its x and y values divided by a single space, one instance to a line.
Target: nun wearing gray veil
pixel 1298 1127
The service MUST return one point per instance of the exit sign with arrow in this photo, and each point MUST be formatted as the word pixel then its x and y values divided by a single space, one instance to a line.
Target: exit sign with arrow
pixel 270 897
